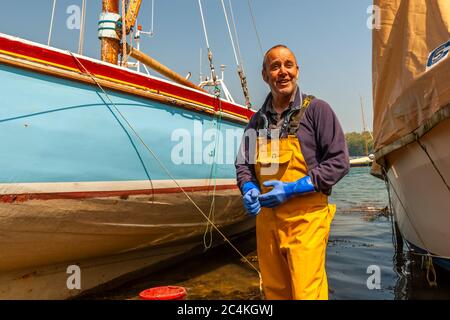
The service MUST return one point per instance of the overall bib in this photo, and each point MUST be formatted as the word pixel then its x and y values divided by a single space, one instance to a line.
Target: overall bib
pixel 291 238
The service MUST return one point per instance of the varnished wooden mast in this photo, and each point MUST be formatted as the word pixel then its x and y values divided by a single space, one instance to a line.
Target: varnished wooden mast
pixel 109 46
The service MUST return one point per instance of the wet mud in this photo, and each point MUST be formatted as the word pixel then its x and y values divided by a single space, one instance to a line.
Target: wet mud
pixel 358 240
pixel 364 260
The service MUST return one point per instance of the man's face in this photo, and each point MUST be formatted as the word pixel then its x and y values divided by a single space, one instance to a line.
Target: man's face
pixel 281 71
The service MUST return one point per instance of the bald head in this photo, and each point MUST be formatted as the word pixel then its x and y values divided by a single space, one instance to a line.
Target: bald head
pixel 280 71
pixel 278 46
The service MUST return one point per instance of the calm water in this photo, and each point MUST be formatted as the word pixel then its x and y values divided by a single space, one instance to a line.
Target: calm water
pixel 360 238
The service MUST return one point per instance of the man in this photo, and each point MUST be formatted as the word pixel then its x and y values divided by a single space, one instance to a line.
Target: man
pixel 292 153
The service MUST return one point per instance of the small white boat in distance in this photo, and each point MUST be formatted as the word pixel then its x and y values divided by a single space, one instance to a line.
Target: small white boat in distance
pixel 362 161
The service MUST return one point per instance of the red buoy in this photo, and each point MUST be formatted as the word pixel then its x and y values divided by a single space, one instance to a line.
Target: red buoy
pixel 164 293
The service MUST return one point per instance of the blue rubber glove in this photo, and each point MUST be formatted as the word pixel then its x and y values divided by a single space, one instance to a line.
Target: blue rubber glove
pixel 282 191
pixel 251 193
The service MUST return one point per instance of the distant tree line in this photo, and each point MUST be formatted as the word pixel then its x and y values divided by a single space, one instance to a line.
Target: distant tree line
pixel 356 143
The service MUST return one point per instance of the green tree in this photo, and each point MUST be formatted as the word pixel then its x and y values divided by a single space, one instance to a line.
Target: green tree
pixel 356 143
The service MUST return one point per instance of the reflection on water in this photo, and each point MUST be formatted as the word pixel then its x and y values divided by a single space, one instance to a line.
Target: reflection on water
pixel 361 240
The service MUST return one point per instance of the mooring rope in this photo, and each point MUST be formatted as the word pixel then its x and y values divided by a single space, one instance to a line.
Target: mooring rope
pixel 213 172
pixel 167 171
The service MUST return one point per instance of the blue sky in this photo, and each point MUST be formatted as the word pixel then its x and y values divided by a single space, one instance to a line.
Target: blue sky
pixel 330 39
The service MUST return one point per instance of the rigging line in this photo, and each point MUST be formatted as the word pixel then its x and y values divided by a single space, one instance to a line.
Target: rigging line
pixel 203 22
pixel 432 161
pixel 82 27
pixel 200 67
pixel 211 65
pixel 240 68
pixel 229 33
pixel 254 27
pixel 236 36
pixel 161 164
pixel 51 23
pixel 153 9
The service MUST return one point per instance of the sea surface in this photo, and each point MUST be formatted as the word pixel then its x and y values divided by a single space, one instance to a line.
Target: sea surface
pixel 362 260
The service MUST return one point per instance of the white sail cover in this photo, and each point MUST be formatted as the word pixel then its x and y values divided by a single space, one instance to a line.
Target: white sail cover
pixel 411 70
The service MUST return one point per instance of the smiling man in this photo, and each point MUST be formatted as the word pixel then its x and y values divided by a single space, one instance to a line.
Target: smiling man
pixel 293 152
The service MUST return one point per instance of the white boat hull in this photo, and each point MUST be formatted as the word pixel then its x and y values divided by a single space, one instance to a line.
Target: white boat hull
pixel 419 194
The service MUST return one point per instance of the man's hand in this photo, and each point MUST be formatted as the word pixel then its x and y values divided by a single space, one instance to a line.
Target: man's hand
pixel 250 197
pixel 274 197
pixel 283 191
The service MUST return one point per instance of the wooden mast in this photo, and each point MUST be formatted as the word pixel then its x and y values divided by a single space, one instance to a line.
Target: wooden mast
pixel 109 46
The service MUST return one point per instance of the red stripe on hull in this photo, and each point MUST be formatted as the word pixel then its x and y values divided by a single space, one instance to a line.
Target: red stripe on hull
pixel 99 69
pixel 14 198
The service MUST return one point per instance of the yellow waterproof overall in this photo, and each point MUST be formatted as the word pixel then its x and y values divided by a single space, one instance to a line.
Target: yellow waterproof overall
pixel 292 238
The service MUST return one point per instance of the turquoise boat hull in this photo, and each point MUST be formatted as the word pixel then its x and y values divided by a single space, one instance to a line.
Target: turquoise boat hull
pixel 97 177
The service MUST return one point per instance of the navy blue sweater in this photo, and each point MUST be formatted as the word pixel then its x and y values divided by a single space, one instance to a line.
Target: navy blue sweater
pixel 321 139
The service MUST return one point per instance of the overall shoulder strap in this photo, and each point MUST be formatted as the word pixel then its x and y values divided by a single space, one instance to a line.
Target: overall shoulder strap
pixel 294 122
pixel 262 124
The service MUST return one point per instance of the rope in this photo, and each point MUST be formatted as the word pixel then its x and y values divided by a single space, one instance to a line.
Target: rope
pixel 152 33
pixel 229 33
pixel 211 65
pixel 164 167
pixel 213 174
pixel 203 23
pixel 51 23
pixel 236 35
pixel 241 71
pixel 244 87
pixel 430 268
pixel 200 67
pixel 394 234
pixel 83 21
pixel 240 68
pixel 254 27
